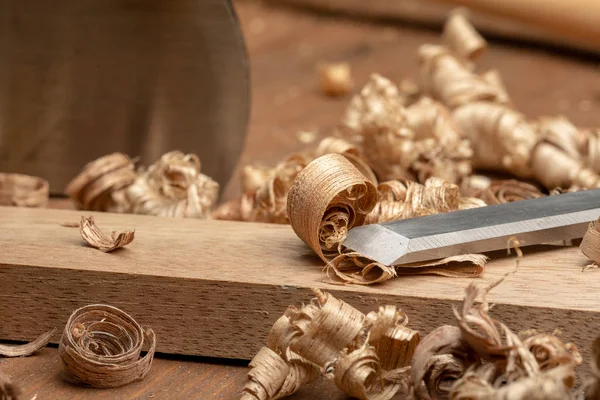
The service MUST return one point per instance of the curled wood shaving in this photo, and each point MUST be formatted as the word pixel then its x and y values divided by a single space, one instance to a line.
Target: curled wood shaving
pixel 328 198
pixel 590 245
pixel 448 78
pixel 95 238
pixel 23 190
pixel 398 200
pixel 365 356
pixel 27 349
pixel 335 79
pixel 507 191
pixel 441 358
pixel 101 347
pixel 461 36
pixel 554 168
pixel 95 185
pixel 335 145
pixel 173 187
pixel 8 390
pixel 501 137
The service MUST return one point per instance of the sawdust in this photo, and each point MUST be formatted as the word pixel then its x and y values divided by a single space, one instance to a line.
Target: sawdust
pixel 23 191
pixel 101 347
pixel 97 239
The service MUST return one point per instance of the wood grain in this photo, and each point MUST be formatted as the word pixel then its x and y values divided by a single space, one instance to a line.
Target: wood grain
pixel 214 288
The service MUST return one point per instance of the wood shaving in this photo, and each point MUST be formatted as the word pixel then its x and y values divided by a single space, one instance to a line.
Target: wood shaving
pixel 590 245
pixel 441 358
pixel 23 191
pixel 97 239
pixel 366 356
pixel 502 138
pixel 461 37
pixel 449 78
pixel 27 349
pixel 335 79
pixel 101 347
pixel 507 191
pixel 173 187
pixel 8 390
pixel 95 185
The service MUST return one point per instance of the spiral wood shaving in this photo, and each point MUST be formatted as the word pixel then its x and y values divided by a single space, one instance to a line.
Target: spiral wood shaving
pixel 507 191
pixel 29 348
pixel 101 346
pixel 366 356
pixel 8 390
pixel 171 187
pixel 99 180
pixel 23 190
pixel 462 38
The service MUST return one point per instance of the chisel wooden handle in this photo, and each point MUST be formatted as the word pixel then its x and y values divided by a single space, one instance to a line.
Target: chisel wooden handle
pixel 578 20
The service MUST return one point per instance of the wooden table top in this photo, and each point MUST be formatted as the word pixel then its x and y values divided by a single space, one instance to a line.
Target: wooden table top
pixel 285 46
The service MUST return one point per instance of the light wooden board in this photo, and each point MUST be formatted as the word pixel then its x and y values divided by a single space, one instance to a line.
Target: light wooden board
pixel 214 288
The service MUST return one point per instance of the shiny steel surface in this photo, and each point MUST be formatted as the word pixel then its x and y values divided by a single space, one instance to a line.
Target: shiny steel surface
pixel 536 221
pixel 83 78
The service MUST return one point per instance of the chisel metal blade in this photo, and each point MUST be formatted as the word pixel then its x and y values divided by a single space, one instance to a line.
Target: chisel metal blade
pixel 542 220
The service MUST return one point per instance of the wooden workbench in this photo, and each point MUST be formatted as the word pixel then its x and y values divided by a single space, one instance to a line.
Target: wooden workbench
pixel 284 48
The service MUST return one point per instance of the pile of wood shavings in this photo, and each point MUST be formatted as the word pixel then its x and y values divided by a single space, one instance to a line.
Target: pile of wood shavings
pixel 410 150
pixel 171 187
pixel 378 356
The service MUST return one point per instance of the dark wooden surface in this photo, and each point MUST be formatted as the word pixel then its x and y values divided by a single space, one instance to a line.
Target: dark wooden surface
pixel 285 46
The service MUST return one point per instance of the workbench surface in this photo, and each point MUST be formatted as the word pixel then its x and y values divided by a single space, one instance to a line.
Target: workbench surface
pixel 285 46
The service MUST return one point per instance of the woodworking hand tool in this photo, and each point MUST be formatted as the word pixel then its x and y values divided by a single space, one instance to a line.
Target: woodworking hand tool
pixel 536 221
pixel 83 78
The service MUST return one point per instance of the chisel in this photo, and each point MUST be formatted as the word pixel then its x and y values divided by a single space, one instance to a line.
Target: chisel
pixel 536 221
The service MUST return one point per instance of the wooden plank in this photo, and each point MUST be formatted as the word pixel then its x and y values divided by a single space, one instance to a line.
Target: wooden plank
pixel 214 288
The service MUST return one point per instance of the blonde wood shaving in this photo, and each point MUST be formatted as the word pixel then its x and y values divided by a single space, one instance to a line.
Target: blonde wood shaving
pixel 335 79
pixel 507 191
pixel 449 78
pixel 8 390
pixel 365 356
pixel 555 169
pixel 461 36
pixel 92 189
pixel 23 190
pixel 27 349
pixel 501 137
pixel 97 239
pixel 101 347
pixel 173 187
pixel 441 358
